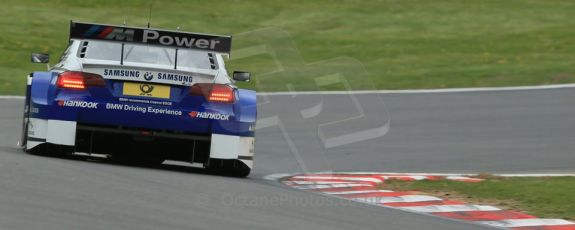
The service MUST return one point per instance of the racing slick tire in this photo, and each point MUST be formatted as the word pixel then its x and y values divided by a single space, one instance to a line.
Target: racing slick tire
pixel 25 121
pixel 42 149
pixel 231 167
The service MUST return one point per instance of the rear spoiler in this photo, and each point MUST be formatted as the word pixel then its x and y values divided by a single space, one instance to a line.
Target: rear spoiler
pixel 213 43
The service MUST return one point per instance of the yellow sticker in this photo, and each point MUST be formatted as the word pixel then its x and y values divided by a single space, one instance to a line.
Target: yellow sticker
pixel 146 90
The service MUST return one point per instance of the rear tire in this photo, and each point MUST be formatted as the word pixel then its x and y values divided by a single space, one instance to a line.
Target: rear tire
pixel 41 149
pixel 51 150
pixel 234 168
pixel 25 120
pixel 44 149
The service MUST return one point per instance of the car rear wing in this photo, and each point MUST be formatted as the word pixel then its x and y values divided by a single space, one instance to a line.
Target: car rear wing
pixel 178 39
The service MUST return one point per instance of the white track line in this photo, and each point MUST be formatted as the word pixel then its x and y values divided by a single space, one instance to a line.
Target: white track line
pixel 414 177
pixel 12 97
pixel 322 186
pixel 355 192
pixel 305 182
pixel 536 175
pixel 277 176
pixel 396 173
pixel 460 178
pixel 416 91
pixel 514 223
pixel 452 174
pixel 407 91
pixel 451 208
pixel 374 180
pixel 393 199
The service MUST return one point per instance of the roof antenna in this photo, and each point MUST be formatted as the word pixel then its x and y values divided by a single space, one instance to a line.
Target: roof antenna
pixel 125 19
pixel 150 13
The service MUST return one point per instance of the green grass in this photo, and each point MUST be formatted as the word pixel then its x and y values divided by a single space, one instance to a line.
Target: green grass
pixel 399 43
pixel 552 197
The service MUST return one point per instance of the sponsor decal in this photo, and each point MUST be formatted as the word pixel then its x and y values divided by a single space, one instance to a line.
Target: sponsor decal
pixel 214 43
pixel 122 73
pixel 175 77
pixel 148 76
pixel 208 115
pixel 152 36
pixel 110 33
pixel 31 128
pixel 142 109
pixel 146 90
pixel 136 100
pixel 164 111
pixel 78 104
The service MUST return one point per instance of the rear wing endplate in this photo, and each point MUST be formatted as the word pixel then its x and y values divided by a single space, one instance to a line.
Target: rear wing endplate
pixel 207 42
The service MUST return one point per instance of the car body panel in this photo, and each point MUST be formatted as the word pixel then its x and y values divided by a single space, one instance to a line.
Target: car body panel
pixel 56 113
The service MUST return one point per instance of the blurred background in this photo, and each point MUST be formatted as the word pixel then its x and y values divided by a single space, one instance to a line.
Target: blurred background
pixel 402 44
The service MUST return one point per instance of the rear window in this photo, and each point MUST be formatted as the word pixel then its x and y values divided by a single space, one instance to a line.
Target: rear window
pixel 112 51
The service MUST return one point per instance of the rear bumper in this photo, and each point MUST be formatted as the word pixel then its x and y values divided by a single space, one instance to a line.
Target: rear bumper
pixel 217 131
pixel 208 118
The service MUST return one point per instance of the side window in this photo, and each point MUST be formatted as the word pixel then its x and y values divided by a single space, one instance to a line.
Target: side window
pixel 196 59
pixel 64 55
pixel 109 51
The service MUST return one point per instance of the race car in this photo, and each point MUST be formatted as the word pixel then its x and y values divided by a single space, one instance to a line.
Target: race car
pixel 142 95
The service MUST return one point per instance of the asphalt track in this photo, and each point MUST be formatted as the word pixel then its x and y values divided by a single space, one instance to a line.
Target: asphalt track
pixel 519 131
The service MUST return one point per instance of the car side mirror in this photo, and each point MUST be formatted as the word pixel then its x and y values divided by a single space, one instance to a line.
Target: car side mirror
pixel 40 58
pixel 241 76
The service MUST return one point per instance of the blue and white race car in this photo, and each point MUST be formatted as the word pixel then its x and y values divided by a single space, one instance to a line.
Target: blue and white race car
pixel 142 95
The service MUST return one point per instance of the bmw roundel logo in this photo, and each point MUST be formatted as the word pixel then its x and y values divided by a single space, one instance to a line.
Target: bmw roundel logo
pixel 148 76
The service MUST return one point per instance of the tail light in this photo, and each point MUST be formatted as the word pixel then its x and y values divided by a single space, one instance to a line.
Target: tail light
pixel 214 92
pixel 221 93
pixel 79 80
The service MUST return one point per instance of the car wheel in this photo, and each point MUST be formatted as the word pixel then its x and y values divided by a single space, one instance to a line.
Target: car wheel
pixel 25 121
pixel 41 149
pixel 231 167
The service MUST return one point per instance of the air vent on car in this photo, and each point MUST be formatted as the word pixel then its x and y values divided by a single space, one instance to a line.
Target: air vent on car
pixel 212 61
pixel 83 48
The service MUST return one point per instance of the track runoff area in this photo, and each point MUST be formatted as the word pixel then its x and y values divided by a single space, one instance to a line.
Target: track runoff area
pixel 363 186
